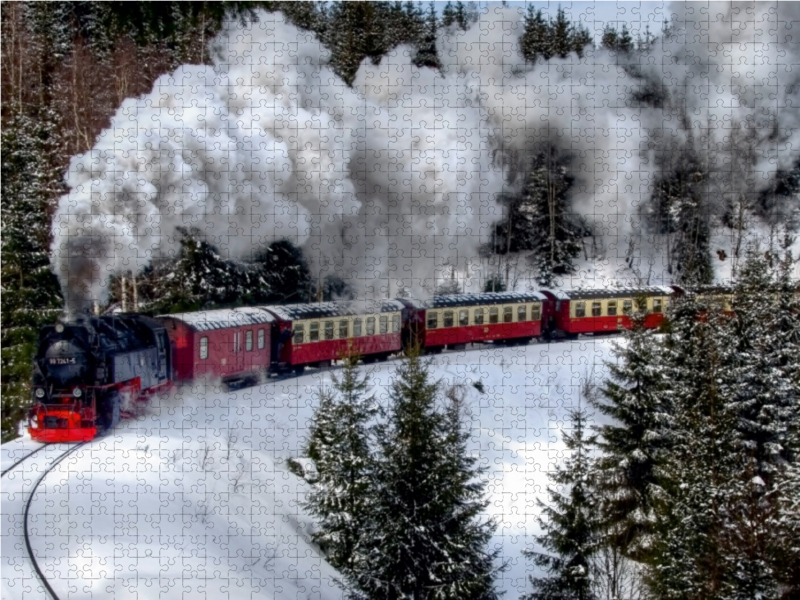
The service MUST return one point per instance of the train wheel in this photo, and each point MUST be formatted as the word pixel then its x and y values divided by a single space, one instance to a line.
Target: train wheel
pixel 109 413
pixel 299 369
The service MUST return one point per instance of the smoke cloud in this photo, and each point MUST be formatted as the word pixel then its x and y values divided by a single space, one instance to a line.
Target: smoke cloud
pixel 393 183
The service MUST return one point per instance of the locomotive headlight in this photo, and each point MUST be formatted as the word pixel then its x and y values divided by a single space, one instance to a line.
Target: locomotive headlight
pixel 59 328
pixel 77 392
pixel 39 392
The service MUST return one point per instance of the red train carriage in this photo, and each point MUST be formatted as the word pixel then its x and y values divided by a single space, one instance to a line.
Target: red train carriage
pixel 459 319
pixel 231 344
pixel 606 311
pixel 315 334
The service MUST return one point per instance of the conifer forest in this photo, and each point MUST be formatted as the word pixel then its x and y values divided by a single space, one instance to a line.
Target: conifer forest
pixel 680 477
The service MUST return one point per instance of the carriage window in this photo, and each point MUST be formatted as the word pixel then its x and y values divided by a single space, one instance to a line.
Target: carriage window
pixel 237 345
pixel 522 313
pixel 463 318
pixel 536 312
pixel 384 324
pixel 328 330
pixel 370 325
pixel 612 309
pixel 508 314
pixel 248 341
pixel 657 305
pixel 203 348
pixel 580 309
pixel 343 329
pixel 597 309
pixel 478 316
pixel 627 307
pixel 433 320
pixel 313 332
pixel 260 339
pixel 299 334
pixel 395 323
pixel 494 315
pixel 448 318
pixel 357 328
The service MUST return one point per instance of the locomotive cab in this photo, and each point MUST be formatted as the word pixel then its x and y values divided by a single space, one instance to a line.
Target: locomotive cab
pixel 84 371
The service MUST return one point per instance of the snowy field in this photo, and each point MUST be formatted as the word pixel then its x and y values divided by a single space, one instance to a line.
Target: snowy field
pixel 193 499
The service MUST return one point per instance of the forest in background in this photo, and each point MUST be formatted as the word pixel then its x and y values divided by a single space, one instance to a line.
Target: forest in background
pixel 67 66
pixel 646 507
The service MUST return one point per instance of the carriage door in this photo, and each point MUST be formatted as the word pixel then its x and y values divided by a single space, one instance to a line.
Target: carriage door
pixel 238 351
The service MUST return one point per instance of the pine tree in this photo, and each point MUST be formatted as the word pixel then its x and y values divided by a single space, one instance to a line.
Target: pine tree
pixel 705 477
pixel 633 446
pixel 30 292
pixel 561 34
pixel 569 523
pixel 620 42
pixel 427 55
pixel 424 539
pixel 535 42
pixel 339 445
pixel 553 233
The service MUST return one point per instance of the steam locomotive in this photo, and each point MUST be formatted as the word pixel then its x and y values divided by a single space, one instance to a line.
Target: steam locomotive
pixel 88 373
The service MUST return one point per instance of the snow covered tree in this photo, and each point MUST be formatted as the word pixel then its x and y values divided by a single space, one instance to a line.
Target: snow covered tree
pixel 427 55
pixel 424 539
pixel 552 231
pixel 339 445
pixel 708 545
pixel 30 292
pixel 617 41
pixel 535 42
pixel 284 272
pixel 569 523
pixel 633 444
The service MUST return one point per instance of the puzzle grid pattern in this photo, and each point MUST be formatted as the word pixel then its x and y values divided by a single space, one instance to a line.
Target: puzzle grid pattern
pixel 193 497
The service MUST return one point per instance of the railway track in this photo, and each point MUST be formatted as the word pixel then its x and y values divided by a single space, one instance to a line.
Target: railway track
pixel 26 513
pixel 21 460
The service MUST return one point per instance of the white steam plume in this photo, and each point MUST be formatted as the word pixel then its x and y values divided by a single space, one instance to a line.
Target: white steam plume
pixel 392 182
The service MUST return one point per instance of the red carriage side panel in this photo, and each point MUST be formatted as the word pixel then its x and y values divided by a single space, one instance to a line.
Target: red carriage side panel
pixel 308 334
pixel 226 344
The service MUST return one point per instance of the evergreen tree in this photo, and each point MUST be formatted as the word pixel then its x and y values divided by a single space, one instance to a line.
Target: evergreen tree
pixel 707 479
pixel 633 446
pixel 424 539
pixel 427 55
pixel 30 292
pixel 561 34
pixel 535 42
pixel 339 445
pixel 553 233
pixel 284 273
pixel 620 42
pixel 765 397
pixel 569 523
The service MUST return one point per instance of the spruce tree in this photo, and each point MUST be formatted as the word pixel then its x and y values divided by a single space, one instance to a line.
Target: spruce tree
pixel 633 445
pixel 339 445
pixel 427 55
pixel 705 474
pixel 554 233
pixel 561 32
pixel 569 523
pixel 424 537
pixel 534 42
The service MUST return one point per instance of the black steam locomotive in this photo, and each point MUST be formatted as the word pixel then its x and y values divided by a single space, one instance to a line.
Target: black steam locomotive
pixel 88 371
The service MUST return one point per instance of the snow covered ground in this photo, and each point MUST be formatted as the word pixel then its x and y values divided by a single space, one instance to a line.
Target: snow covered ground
pixel 193 499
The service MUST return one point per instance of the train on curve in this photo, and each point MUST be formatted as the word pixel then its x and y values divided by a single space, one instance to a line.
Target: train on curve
pixel 88 373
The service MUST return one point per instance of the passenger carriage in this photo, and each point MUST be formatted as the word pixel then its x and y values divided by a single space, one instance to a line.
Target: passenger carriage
pixel 316 334
pixel 230 344
pixel 607 311
pixel 456 320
